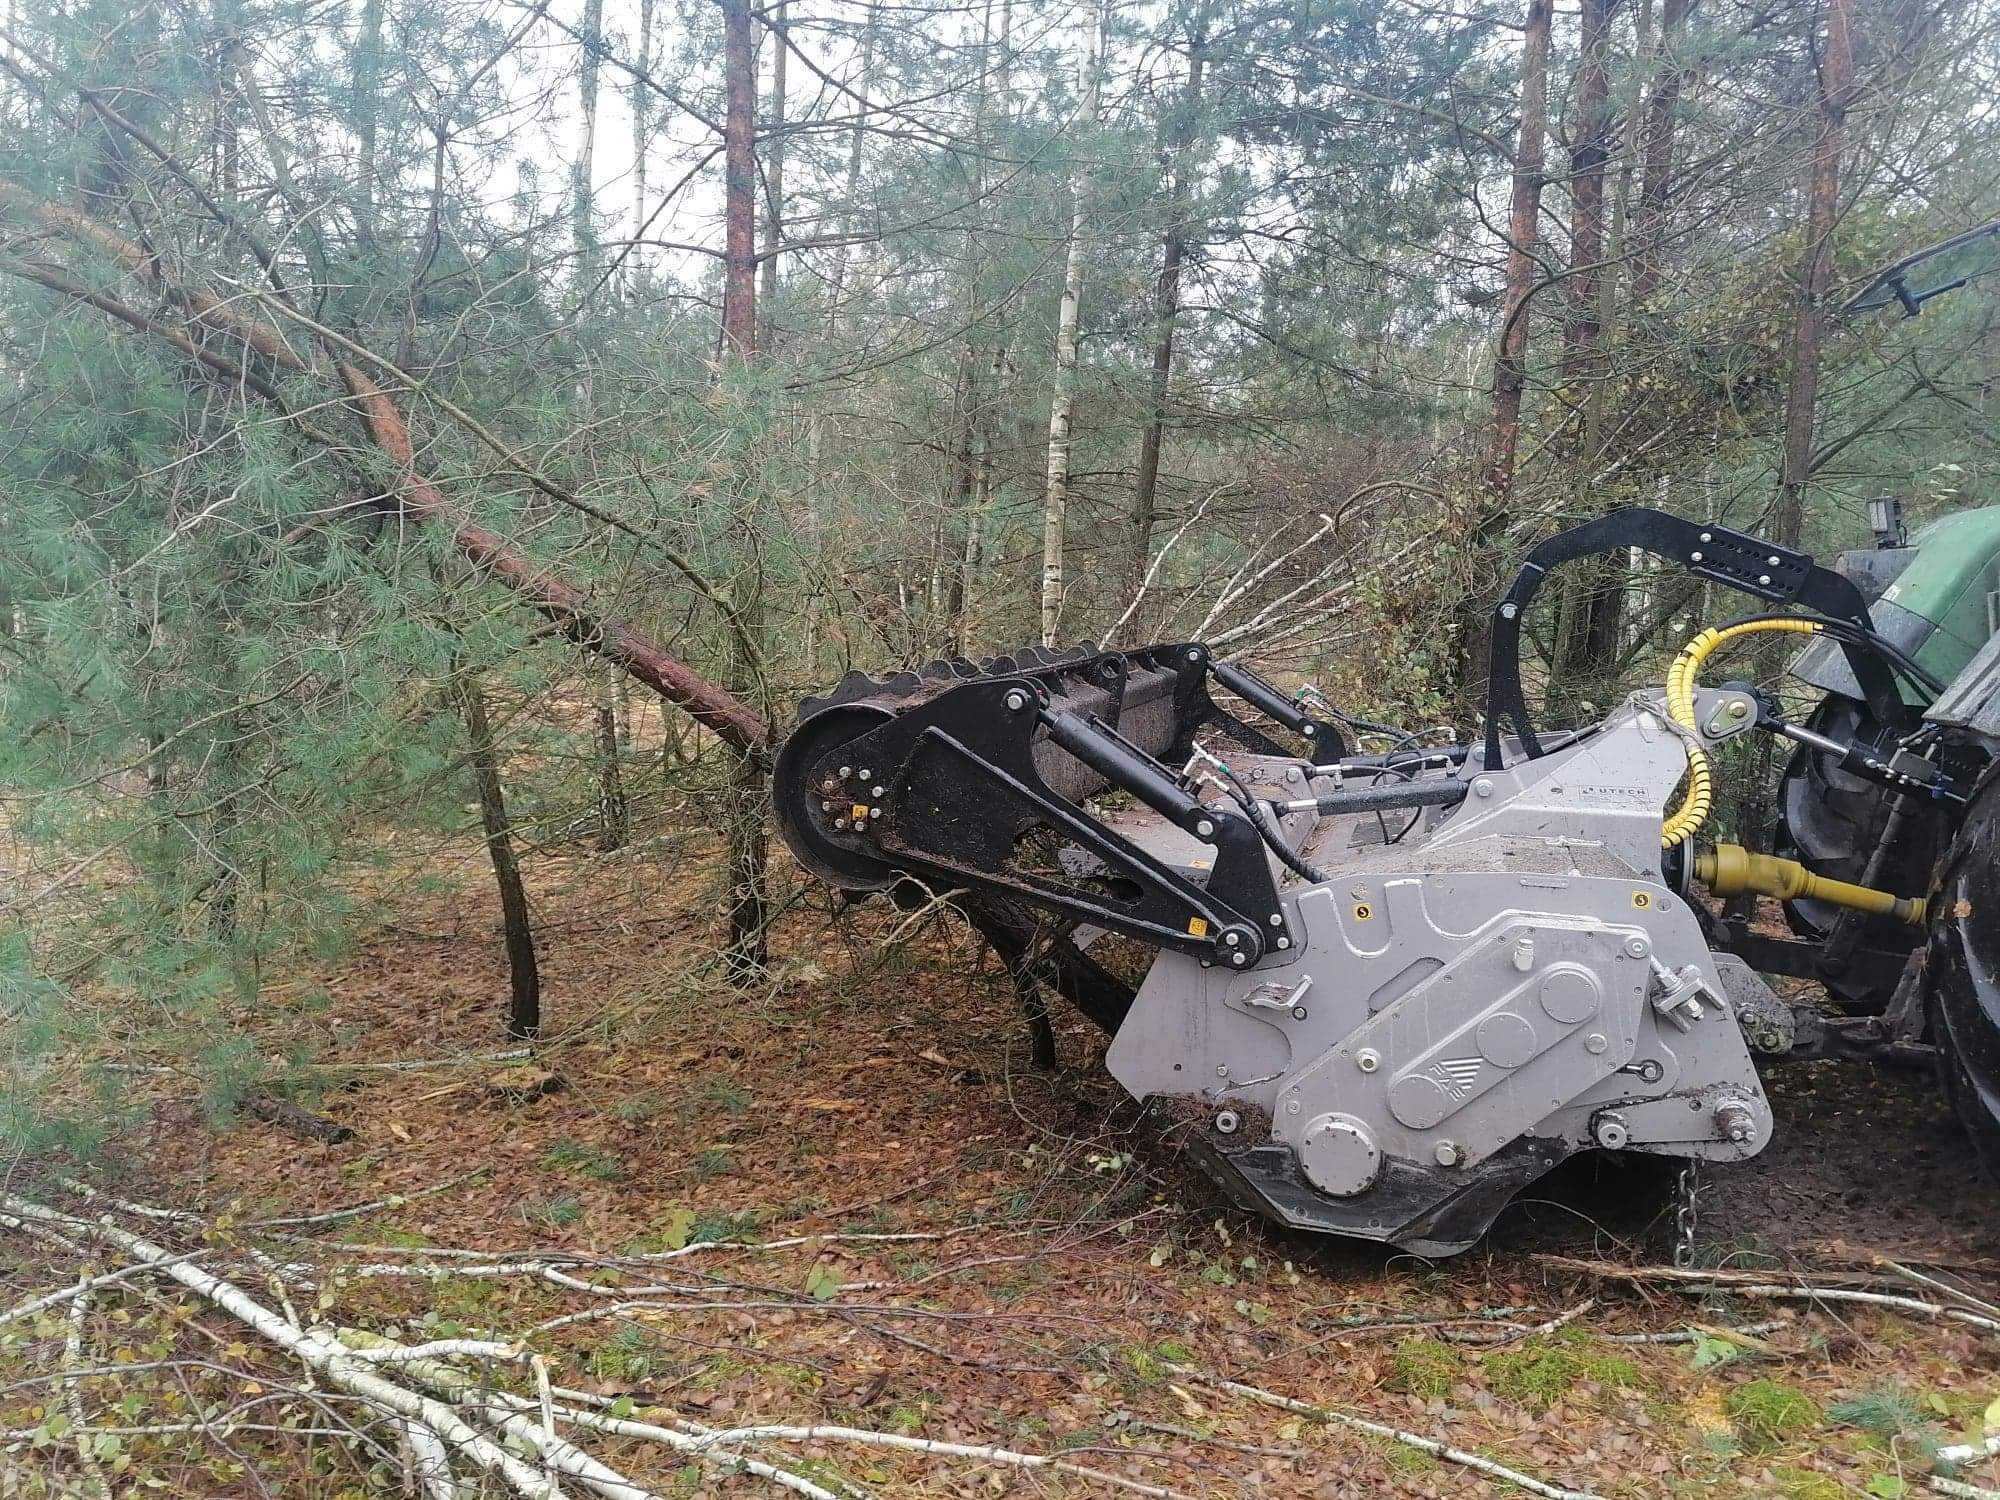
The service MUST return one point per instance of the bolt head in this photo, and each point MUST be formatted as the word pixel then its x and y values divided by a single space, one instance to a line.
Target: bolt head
pixel 863 774
pixel 1772 560
pixel 1204 828
pixel 1016 701
pixel 826 807
pixel 1446 1154
pixel 1232 939
pixel 1764 578
pixel 1239 959
pixel 1694 557
pixel 1277 919
pixel 1508 611
pixel 1292 1108
pixel 1708 536
pixel 874 812
pixel 1482 787
pixel 1194 656
pixel 1739 709
pixel 1284 942
pixel 1637 947
pixel 1596 1043
pixel 1367 1059
pixel 1227 1122
pixel 840 823
pixel 1298 1012
pixel 846 771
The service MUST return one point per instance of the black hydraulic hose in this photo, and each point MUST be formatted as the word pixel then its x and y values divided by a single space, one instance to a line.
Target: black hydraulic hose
pixel 1847 631
pixel 1441 792
pixel 1266 823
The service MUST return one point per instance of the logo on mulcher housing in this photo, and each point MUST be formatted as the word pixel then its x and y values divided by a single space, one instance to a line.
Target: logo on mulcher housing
pixel 1456 1076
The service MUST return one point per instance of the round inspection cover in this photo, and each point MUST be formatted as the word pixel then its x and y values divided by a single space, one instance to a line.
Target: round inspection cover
pixel 1340 1156
pixel 1570 994
pixel 1505 1039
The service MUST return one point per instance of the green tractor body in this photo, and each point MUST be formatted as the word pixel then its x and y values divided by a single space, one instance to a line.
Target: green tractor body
pixel 1937 598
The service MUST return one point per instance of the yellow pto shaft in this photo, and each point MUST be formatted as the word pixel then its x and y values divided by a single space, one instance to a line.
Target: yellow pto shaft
pixel 1732 870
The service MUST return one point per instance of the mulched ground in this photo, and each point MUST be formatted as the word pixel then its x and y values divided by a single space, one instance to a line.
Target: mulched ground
pixel 879 1086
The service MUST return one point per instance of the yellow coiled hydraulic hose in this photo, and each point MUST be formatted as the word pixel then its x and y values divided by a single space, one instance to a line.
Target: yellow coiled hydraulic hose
pixel 1700 795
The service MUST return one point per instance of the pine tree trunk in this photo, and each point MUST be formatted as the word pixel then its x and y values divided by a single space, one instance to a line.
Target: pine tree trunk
pixel 524 1013
pixel 843 264
pixel 774 183
pixel 1582 366
pixel 1597 644
pixel 1657 150
pixel 614 816
pixel 1836 72
pixel 739 182
pixel 367 85
pixel 1494 496
pixel 1166 309
pixel 747 952
pixel 614 812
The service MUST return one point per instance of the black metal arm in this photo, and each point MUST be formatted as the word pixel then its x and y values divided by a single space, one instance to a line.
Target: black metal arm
pixel 1743 562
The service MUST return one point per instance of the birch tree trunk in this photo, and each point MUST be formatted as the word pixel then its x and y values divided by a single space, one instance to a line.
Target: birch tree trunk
pixel 1062 398
pixel 642 131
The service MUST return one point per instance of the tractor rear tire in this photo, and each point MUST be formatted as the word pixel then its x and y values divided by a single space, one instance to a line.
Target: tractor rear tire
pixel 1962 972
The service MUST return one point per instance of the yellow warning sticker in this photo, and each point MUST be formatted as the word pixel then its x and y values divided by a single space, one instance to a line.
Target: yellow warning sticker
pixel 860 810
pixel 1198 926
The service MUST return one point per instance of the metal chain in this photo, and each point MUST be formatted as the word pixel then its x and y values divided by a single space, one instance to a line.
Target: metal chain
pixel 1685 1209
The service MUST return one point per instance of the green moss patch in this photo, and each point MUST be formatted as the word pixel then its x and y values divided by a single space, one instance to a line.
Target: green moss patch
pixel 1769 1411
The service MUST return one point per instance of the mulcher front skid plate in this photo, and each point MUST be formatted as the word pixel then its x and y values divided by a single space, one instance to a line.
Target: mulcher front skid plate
pixel 1485 972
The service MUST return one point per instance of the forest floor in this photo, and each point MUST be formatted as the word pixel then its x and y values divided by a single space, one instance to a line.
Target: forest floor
pixel 886 1221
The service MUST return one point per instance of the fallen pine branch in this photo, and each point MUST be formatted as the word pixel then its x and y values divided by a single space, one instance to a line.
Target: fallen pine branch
pixel 1961 1490
pixel 1432 1446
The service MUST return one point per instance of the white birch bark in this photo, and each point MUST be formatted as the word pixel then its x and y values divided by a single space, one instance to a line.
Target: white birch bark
pixel 1062 398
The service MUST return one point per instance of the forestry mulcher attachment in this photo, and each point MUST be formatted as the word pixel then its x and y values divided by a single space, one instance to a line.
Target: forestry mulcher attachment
pixel 1382 991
